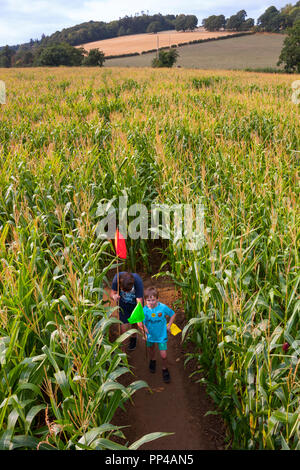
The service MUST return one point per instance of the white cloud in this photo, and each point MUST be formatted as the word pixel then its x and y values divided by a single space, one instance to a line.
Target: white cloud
pixel 21 20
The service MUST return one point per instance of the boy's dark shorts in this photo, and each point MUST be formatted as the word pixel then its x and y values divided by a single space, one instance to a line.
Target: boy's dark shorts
pixel 161 346
pixel 124 318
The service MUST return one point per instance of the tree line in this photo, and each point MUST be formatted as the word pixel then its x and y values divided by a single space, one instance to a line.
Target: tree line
pixel 235 22
pixel 54 50
pixel 272 20
pixel 52 55
pixel 98 30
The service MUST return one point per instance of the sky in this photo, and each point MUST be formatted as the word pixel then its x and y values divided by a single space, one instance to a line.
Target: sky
pixel 21 20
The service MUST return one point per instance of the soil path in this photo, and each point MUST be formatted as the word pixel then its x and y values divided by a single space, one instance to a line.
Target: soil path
pixel 179 406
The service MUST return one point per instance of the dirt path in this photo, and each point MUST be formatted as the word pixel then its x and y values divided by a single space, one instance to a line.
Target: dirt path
pixel 177 407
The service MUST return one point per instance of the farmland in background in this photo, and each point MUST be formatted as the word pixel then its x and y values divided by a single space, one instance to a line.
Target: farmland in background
pixel 71 138
pixel 260 50
pixel 144 42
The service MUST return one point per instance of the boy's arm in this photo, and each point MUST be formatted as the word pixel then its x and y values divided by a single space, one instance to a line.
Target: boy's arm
pixel 114 295
pixel 139 288
pixel 171 321
pixel 143 329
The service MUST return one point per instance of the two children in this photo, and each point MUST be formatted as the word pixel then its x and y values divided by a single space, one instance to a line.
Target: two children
pixel 155 322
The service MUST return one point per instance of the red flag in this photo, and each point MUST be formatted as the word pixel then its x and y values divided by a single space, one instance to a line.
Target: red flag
pixel 120 245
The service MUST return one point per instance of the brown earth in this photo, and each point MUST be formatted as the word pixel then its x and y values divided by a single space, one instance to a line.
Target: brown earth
pixel 145 42
pixel 178 407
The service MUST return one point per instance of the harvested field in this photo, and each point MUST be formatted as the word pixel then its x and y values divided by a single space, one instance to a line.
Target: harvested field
pixel 146 42
pixel 253 51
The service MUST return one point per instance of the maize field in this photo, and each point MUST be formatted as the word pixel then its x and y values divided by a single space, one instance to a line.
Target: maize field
pixel 73 137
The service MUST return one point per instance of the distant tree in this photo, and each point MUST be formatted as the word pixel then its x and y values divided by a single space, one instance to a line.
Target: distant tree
pixel 290 53
pixel 23 58
pixel 112 29
pixel 287 9
pixel 238 22
pixel 166 58
pixel 286 21
pixel 179 23
pixel 59 54
pixel 94 58
pixel 214 23
pixel 6 56
pixel 170 17
pixel 247 25
pixel 121 31
pixel 185 22
pixel 270 20
pixel 153 27
pixel 294 14
pixel 191 22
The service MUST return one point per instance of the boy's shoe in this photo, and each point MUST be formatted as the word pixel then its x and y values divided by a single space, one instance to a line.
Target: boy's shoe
pixel 166 375
pixel 132 344
pixel 152 366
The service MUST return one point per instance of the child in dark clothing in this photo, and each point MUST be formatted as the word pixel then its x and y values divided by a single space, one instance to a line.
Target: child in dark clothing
pixel 131 291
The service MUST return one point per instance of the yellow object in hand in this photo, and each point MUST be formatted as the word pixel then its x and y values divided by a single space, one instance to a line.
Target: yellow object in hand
pixel 174 329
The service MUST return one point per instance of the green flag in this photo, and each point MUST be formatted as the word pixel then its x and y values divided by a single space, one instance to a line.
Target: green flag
pixel 137 314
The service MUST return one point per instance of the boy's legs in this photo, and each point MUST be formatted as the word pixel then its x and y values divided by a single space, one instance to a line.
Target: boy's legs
pixel 130 341
pixel 152 363
pixel 124 327
pixel 152 351
pixel 163 355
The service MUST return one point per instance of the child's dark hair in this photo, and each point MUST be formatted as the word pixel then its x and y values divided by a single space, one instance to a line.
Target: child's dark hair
pixel 151 291
pixel 126 281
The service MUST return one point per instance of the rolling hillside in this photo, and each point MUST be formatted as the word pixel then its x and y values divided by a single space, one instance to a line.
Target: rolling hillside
pixel 145 42
pixel 254 51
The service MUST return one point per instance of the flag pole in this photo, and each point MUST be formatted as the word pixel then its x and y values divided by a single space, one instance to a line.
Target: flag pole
pixel 145 341
pixel 120 247
pixel 118 294
pixel 137 317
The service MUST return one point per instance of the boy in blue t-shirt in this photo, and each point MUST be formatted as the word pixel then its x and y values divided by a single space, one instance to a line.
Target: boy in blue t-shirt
pixel 156 329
